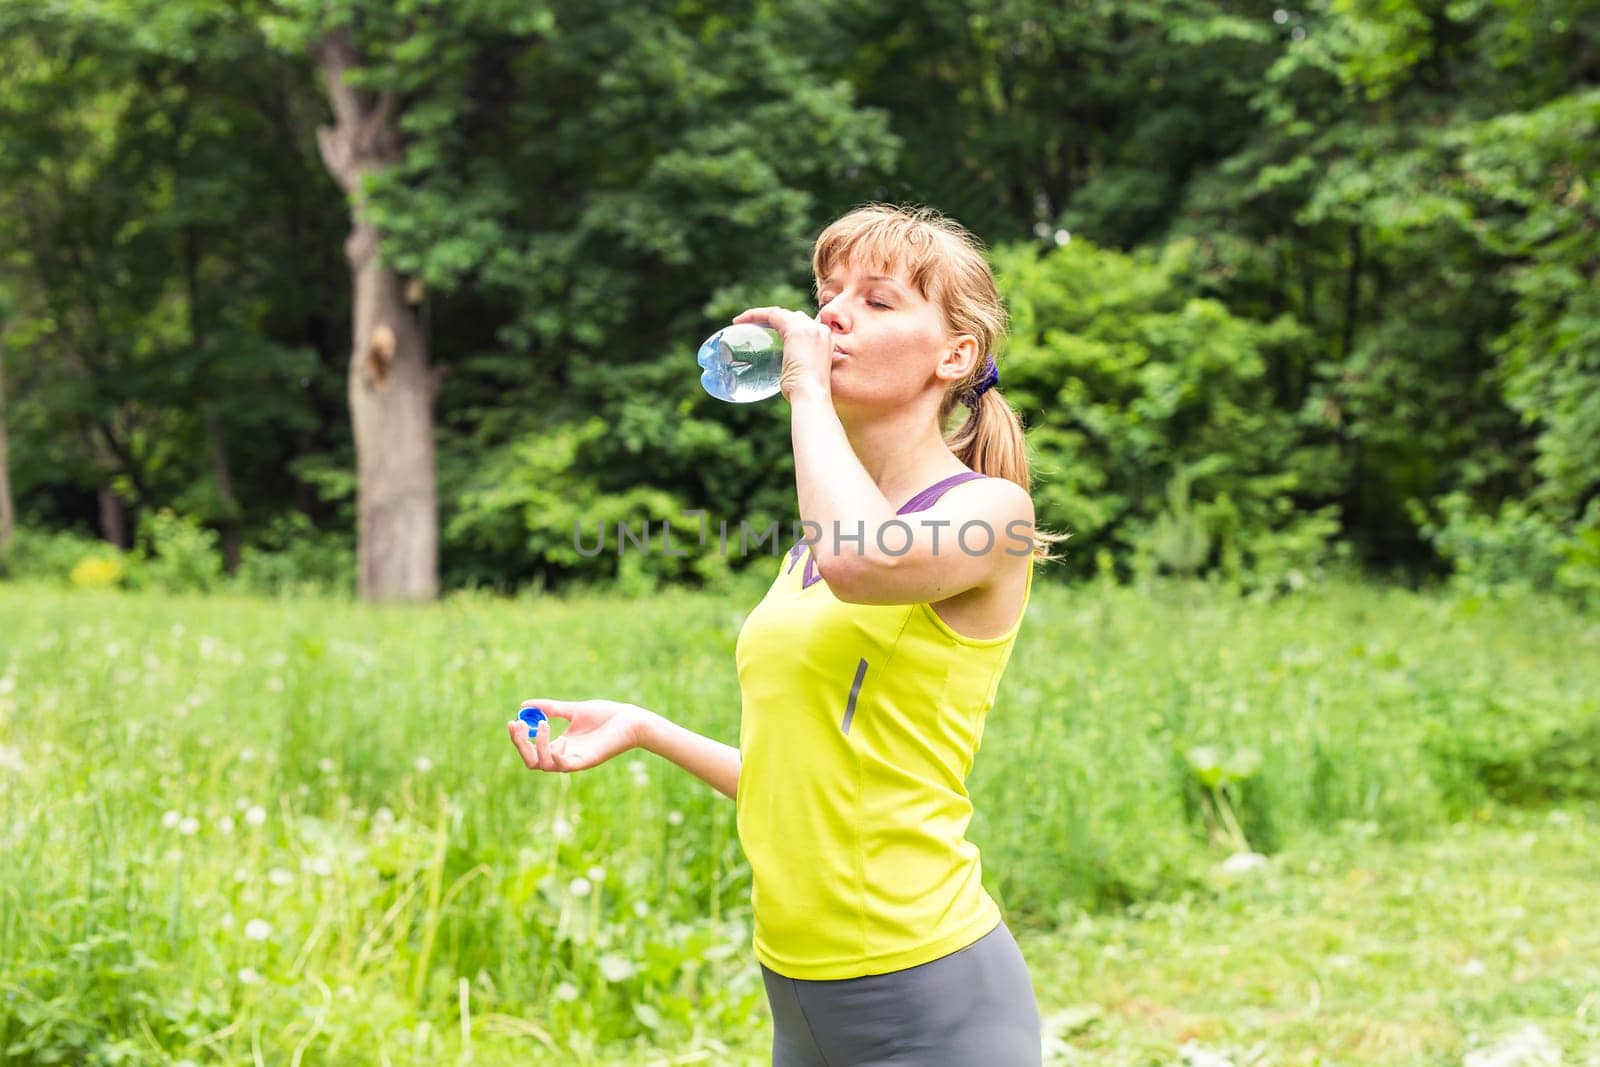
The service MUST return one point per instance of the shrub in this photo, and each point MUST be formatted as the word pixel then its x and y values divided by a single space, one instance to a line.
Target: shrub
pixel 177 553
pixel 294 556
pixel 54 555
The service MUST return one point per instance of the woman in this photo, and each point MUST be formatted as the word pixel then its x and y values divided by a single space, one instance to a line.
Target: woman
pixel 867 672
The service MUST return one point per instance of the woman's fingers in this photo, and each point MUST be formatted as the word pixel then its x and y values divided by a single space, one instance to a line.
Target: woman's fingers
pixel 538 751
pixel 519 737
pixel 556 709
pixel 783 320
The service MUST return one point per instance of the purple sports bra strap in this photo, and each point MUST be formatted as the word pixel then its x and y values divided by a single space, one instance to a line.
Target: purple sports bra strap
pixel 930 496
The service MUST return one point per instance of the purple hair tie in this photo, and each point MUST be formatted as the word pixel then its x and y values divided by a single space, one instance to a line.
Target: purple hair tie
pixel 990 379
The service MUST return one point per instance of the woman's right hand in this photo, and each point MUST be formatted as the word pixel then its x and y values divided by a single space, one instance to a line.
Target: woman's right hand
pixel 596 731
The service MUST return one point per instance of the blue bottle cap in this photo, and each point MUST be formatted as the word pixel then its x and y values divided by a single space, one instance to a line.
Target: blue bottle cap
pixel 533 717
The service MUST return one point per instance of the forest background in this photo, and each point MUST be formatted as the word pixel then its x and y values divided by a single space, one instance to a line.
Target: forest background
pixel 1289 286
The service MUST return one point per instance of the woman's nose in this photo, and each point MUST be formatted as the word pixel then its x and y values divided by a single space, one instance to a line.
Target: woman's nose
pixel 831 317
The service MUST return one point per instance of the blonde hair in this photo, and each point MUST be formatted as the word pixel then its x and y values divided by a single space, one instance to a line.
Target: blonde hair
pixel 946 264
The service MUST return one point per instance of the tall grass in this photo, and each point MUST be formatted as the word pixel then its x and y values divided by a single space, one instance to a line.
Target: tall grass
pixel 293 832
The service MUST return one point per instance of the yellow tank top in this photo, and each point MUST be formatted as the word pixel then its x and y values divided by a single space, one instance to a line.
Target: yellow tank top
pixel 858 728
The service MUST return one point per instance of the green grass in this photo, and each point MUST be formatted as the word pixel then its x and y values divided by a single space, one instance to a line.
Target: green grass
pixel 1347 951
pixel 293 832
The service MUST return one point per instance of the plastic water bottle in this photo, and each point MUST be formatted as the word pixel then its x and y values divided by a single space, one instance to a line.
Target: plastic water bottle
pixel 742 363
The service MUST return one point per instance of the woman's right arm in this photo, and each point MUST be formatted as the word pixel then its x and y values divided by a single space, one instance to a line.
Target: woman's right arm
pixel 713 762
pixel 598 730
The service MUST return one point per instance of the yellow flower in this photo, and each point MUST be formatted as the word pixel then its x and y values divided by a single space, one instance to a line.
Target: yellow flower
pixel 96 572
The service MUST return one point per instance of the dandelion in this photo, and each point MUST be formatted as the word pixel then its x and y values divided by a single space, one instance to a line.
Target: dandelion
pixel 7 684
pixel 11 760
pixel 247 755
pixel 170 820
pixel 326 765
pixel 674 818
pixel 255 815
pixel 596 874
pixel 641 908
pixel 560 829
pixel 320 867
pixel 566 992
pixel 249 976
pixel 579 887
pixel 226 922
pixel 225 824
pixel 640 773
pixel 615 968
pixel 423 764
pixel 188 826
pixel 279 877
pixel 258 929
pixel 275 684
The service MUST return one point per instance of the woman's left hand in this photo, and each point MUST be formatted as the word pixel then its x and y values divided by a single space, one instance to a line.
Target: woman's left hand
pixel 807 349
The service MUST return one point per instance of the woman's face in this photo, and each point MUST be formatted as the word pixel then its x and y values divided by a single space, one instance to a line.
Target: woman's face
pixel 888 338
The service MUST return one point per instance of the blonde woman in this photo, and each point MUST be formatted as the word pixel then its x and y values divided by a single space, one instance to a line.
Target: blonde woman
pixel 867 671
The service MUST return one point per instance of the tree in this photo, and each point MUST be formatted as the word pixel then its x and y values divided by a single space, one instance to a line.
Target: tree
pixel 156 238
pixel 391 386
pixel 7 507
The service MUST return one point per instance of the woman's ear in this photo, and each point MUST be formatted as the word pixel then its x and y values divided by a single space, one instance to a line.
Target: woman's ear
pixel 960 359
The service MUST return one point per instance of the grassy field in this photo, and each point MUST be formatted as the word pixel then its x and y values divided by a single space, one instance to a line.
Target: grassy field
pixel 256 832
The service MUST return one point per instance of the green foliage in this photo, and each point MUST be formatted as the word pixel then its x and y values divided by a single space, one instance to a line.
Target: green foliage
pixel 1125 373
pixel 177 554
pixel 1353 270
pixel 1519 546
pixel 1179 539
pixel 51 555
pixel 293 556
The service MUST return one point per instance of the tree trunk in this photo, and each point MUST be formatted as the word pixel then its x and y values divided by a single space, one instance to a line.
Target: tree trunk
pixel 391 386
pixel 225 493
pixel 7 511
pixel 113 517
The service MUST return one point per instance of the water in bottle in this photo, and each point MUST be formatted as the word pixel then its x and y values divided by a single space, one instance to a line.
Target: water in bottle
pixel 742 363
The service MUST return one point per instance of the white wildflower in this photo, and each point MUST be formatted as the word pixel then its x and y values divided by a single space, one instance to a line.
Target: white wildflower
pixel 188 826
pixel 326 765
pixel 641 908
pixel 225 824
pixel 596 874
pixel 170 820
pixel 423 764
pixel 615 968
pixel 258 929
pixel 279 877
pixel 579 887
pixel 674 818
pixel 566 992
pixel 249 976
pixel 255 815
pixel 560 829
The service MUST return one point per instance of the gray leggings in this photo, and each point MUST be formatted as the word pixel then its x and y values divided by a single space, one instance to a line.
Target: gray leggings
pixel 974 1006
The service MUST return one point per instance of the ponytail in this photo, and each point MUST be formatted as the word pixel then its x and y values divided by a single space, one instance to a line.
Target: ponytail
pixel 991 441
